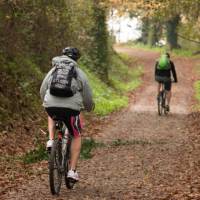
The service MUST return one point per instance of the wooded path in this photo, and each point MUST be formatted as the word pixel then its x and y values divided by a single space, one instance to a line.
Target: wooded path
pixel 145 157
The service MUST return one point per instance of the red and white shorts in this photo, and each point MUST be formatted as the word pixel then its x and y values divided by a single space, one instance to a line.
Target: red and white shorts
pixel 70 117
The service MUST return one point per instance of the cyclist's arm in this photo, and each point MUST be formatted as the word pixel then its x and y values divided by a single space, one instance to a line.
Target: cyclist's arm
pixel 174 72
pixel 45 83
pixel 87 97
pixel 86 92
pixel 156 69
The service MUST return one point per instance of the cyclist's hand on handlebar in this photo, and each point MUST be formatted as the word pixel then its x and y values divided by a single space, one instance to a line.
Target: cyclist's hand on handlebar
pixel 93 106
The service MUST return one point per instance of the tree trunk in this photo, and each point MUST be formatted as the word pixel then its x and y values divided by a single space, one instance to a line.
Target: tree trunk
pixel 172 37
pixel 152 36
pixel 151 31
pixel 100 50
pixel 155 32
pixel 145 30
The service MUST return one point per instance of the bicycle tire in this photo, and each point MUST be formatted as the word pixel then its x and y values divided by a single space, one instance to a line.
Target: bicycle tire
pixel 55 175
pixel 160 108
pixel 163 103
pixel 68 183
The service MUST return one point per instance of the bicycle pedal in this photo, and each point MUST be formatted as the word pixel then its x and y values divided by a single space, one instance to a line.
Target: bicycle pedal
pixel 48 149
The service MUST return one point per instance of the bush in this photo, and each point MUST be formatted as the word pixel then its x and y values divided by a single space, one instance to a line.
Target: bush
pixel 112 97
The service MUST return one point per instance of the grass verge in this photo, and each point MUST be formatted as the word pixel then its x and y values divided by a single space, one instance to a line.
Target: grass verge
pixel 87 146
pixel 36 155
pixel 197 89
pixel 120 142
pixel 122 80
pixel 40 153
pixel 176 52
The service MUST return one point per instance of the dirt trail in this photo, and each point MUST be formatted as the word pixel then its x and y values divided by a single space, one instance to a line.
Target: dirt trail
pixel 146 157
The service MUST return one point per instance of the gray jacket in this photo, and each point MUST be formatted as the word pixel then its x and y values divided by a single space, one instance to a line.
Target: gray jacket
pixel 82 99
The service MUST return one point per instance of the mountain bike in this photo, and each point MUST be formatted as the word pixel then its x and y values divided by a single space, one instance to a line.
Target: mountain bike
pixel 162 101
pixel 59 159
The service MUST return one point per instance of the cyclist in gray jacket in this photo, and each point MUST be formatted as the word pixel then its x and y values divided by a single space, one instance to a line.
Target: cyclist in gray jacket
pixel 67 108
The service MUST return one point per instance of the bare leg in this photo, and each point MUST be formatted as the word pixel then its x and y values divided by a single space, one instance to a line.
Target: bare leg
pixel 168 95
pixel 75 151
pixel 159 87
pixel 51 128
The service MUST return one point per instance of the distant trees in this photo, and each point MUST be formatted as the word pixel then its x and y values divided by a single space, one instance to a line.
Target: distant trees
pixel 154 32
pixel 171 31
pixel 39 29
pixel 145 30
pixel 165 19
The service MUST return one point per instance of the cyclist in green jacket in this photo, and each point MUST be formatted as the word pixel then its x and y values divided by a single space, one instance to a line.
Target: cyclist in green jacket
pixel 164 76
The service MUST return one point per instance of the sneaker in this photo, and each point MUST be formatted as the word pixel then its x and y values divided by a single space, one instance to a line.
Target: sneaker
pixel 50 144
pixel 73 175
pixel 167 108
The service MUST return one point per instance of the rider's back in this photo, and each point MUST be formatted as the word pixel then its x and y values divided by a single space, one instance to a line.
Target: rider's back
pixel 81 99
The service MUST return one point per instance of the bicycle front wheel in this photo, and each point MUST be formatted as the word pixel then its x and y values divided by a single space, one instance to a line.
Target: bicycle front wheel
pixel 160 106
pixel 164 104
pixel 55 162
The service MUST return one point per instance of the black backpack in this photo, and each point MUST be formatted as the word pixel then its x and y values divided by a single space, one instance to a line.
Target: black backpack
pixel 63 76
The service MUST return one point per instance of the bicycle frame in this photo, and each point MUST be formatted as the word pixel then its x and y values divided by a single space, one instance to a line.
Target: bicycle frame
pixel 59 158
pixel 66 145
pixel 161 100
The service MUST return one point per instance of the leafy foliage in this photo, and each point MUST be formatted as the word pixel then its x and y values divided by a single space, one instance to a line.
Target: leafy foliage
pixel 35 155
pixel 165 19
pixel 31 33
pixel 121 80
pixel 177 52
pixel 87 146
pixel 106 99
pixel 197 89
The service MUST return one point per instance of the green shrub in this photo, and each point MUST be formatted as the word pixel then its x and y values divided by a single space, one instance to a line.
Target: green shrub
pixel 197 90
pixel 177 52
pixel 87 146
pixel 112 97
pixel 35 155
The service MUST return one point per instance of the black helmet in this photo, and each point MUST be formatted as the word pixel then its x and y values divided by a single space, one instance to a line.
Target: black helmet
pixel 167 54
pixel 71 52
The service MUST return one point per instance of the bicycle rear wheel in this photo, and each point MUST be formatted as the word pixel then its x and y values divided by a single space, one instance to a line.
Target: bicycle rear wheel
pixel 164 104
pixel 68 182
pixel 55 173
pixel 160 104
